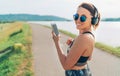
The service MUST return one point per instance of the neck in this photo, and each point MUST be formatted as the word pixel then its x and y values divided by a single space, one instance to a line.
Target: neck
pixel 85 30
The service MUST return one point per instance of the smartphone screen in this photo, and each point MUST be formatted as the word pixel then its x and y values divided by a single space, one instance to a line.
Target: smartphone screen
pixel 55 29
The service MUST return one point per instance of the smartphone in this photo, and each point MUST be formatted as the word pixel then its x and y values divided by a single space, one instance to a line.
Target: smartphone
pixel 55 29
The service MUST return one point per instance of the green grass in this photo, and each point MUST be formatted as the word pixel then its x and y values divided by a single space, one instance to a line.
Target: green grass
pixel 68 33
pixel 10 62
pixel 14 63
pixel 112 50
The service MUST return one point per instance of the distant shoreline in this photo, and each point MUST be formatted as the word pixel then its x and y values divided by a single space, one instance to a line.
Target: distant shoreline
pixel 111 19
pixel 30 17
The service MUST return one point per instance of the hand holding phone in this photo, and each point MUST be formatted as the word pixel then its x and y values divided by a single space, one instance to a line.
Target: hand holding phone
pixel 55 29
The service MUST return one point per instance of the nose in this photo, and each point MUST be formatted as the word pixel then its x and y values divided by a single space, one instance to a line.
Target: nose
pixel 77 20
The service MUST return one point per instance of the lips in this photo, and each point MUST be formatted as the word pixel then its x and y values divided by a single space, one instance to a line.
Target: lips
pixel 78 24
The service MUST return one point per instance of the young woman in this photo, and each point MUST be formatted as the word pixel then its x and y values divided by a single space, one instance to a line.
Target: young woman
pixel 81 48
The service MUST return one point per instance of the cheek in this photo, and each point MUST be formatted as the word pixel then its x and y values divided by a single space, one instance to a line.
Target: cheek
pixel 88 22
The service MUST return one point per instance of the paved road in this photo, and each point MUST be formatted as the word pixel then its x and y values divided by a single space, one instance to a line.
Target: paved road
pixel 46 62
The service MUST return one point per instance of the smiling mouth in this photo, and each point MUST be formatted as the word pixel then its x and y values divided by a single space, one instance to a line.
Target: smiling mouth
pixel 78 24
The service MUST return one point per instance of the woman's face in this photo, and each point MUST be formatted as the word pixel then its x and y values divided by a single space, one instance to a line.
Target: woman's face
pixel 87 23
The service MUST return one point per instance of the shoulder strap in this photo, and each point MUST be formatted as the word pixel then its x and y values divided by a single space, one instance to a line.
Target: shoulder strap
pixel 89 33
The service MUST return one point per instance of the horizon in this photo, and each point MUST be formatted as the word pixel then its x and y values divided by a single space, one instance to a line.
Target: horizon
pixel 108 8
pixel 48 15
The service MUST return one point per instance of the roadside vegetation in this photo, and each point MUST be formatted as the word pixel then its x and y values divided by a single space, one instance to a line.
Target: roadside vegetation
pixel 109 49
pixel 15 49
pixel 112 50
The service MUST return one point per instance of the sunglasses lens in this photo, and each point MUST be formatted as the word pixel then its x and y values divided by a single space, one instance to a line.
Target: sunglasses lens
pixel 76 16
pixel 83 18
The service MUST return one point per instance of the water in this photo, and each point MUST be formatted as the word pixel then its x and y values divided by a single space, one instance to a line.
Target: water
pixel 107 32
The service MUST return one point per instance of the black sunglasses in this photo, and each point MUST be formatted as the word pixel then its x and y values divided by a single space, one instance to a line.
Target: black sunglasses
pixel 82 18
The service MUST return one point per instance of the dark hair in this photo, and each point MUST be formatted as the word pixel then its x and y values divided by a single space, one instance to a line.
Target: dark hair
pixel 91 8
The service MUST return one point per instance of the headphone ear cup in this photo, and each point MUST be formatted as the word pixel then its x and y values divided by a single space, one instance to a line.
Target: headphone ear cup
pixel 94 21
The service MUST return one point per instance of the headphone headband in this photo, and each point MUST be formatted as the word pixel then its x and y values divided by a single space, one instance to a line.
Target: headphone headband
pixel 95 12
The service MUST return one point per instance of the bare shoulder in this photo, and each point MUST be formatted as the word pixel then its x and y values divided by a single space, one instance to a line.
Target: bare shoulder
pixel 85 39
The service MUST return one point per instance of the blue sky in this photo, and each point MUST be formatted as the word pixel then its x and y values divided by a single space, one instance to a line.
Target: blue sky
pixel 62 8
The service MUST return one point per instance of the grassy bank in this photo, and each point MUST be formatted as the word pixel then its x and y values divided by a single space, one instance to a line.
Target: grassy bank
pixel 16 61
pixel 112 50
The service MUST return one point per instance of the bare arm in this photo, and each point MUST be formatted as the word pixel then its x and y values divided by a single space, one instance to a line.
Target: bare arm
pixel 76 51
